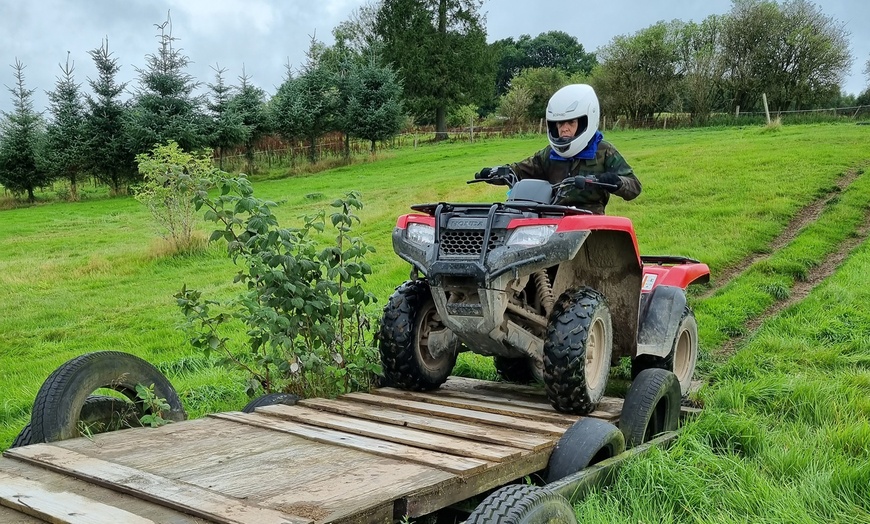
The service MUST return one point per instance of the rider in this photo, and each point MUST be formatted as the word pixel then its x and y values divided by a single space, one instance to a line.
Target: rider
pixel 577 149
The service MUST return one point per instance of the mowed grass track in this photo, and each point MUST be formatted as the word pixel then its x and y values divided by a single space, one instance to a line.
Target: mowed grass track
pixel 83 277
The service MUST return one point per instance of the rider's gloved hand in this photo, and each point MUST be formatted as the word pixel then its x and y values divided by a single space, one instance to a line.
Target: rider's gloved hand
pixel 487 174
pixel 612 179
pixel 484 174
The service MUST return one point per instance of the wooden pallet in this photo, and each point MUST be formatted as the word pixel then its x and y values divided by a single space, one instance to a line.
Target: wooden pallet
pixel 364 457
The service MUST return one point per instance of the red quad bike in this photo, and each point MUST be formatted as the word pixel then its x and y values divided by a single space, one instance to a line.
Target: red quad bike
pixel 491 277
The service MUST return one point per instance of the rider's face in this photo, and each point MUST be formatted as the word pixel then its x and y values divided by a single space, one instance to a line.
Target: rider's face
pixel 567 128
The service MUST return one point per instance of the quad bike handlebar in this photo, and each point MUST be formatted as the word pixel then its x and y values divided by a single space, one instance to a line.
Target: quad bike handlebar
pixel 505 176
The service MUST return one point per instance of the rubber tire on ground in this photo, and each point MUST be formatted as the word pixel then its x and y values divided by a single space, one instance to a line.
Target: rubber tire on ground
pixel 523 504
pixel 60 400
pixel 588 441
pixel 270 399
pixel 99 412
pixel 565 348
pixel 652 406
pixel 516 370
pixel 404 360
pixel 688 327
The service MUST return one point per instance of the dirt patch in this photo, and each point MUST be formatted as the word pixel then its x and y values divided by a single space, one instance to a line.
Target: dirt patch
pixel 803 288
pixel 804 217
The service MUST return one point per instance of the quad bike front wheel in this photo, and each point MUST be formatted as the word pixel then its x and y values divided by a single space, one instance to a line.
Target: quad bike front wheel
pixel 578 351
pixel 682 357
pixel 410 319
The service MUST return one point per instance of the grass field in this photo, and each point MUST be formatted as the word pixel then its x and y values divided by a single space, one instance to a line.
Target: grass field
pixel 784 435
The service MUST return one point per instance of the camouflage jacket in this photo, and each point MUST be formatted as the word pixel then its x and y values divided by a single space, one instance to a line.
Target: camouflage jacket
pixel 607 159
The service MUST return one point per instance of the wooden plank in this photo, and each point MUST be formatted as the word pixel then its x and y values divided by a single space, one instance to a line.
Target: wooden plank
pixel 11 516
pixel 39 500
pixel 478 402
pixel 468 415
pixel 608 408
pixel 412 437
pixel 185 497
pixel 491 434
pixel 471 384
pixel 457 465
pixel 239 460
pixel 61 483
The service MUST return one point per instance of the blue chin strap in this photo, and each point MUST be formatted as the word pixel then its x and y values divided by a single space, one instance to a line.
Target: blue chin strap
pixel 588 152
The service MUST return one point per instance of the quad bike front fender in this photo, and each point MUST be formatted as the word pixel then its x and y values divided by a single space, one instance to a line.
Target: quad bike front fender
pixel 659 320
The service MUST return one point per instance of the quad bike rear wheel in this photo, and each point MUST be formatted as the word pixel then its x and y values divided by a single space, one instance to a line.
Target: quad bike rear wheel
pixel 409 320
pixel 578 351
pixel 682 357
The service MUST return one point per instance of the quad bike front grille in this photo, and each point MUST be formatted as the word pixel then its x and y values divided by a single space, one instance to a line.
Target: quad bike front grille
pixel 467 243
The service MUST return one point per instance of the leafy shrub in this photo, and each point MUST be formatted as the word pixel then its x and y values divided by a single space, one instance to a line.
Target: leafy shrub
pixel 303 305
pixel 172 177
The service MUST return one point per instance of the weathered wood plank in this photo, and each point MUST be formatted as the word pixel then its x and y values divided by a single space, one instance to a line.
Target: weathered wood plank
pixel 62 483
pixel 239 460
pixel 400 435
pixel 453 464
pixel 481 433
pixel 177 495
pixel 608 408
pixel 472 384
pixel 38 500
pixel 478 402
pixel 468 415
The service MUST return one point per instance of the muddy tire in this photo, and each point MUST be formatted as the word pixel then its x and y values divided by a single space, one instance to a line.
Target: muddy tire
pixel 270 399
pixel 516 370
pixel 409 319
pixel 578 351
pixel 60 402
pixel 652 406
pixel 682 358
pixel 588 441
pixel 522 504
pixel 99 414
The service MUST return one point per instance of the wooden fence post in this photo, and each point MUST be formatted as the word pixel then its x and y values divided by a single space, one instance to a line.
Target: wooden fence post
pixel 737 112
pixel 766 110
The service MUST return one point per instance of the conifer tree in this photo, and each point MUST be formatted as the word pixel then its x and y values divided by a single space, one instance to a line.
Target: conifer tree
pixel 20 134
pixel 63 151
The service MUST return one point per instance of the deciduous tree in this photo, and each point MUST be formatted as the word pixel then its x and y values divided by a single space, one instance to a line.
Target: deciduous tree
pixel 439 48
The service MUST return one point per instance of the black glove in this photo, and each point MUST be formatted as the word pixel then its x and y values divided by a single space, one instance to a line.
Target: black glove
pixel 484 174
pixel 487 174
pixel 612 179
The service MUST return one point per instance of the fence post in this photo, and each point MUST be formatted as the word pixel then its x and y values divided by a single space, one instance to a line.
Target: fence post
pixel 471 131
pixel 766 110
pixel 604 122
pixel 737 112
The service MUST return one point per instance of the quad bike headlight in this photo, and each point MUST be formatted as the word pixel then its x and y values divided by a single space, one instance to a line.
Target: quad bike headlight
pixel 529 236
pixel 420 233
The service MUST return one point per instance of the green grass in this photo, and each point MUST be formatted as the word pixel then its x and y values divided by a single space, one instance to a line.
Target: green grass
pixel 784 436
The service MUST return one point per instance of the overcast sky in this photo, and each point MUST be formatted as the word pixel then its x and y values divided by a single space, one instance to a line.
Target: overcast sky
pixel 265 35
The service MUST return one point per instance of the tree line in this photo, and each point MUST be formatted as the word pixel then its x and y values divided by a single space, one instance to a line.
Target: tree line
pixel 400 62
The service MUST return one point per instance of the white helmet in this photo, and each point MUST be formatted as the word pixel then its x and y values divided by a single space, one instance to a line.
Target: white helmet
pixel 572 101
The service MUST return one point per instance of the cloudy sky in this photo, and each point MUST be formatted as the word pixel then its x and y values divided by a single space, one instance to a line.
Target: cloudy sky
pixel 265 35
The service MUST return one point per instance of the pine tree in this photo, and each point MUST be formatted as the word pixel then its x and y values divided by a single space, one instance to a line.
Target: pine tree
pixel 250 103
pixel 165 108
pixel 226 128
pixel 374 109
pixel 107 156
pixel 63 151
pixel 20 134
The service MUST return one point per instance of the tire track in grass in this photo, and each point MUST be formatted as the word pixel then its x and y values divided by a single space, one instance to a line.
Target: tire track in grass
pixel 805 216
pixel 804 287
